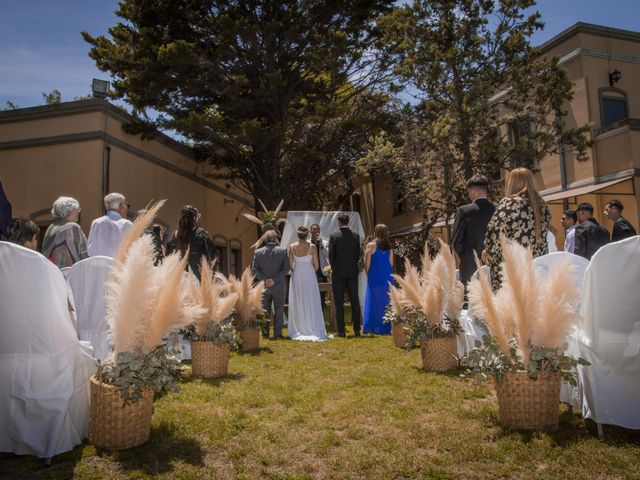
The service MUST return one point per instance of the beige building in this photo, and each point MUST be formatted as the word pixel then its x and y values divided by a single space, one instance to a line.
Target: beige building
pixel 604 64
pixel 79 149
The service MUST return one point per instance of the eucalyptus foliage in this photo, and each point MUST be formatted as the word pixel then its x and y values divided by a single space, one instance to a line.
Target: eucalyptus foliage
pixel 220 333
pixel 156 369
pixel 486 359
pixel 418 327
pixel 258 321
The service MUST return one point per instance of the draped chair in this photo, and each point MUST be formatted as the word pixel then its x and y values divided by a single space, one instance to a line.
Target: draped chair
pixel 87 280
pixel 610 336
pixel 568 393
pixel 473 328
pixel 44 368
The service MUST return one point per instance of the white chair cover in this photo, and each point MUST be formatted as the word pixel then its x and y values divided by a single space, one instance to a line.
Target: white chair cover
pixel 610 335
pixel 568 394
pixel 473 329
pixel 87 281
pixel 44 369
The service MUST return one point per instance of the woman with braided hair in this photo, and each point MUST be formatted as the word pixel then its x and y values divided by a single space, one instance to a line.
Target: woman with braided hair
pixel 190 236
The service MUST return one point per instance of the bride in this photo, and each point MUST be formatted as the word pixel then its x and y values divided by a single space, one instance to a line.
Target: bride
pixel 306 321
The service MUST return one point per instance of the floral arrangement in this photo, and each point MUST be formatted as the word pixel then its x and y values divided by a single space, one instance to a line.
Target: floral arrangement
pixel 529 318
pixel 327 272
pixel 271 220
pixel 144 304
pixel 211 293
pixel 248 306
pixel 428 302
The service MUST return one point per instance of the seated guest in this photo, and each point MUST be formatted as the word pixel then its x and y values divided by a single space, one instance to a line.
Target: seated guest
pixel 568 220
pixel 590 235
pixel 622 228
pixel 24 232
pixel 64 242
pixel 107 231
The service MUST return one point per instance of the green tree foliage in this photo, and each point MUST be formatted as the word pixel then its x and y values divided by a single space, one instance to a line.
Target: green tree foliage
pixel 470 65
pixel 53 97
pixel 262 88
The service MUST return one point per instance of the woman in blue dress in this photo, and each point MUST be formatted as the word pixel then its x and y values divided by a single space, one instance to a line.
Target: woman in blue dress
pixel 378 263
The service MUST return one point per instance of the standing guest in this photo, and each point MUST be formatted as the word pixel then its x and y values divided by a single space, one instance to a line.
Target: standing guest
pixel 622 228
pixel 158 230
pixel 344 253
pixel 470 226
pixel 523 216
pixel 192 237
pixel 378 263
pixel 323 251
pixel 24 232
pixel 568 220
pixel 64 242
pixel 306 321
pixel 107 231
pixel 270 265
pixel 590 235
pixel 5 213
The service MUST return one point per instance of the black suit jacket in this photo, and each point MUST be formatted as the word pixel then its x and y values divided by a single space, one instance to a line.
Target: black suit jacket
pixel 344 253
pixel 622 229
pixel 590 236
pixel 469 230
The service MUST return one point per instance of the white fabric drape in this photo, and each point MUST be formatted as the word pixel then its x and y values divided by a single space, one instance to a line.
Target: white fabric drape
pixel 328 222
pixel 87 280
pixel 472 329
pixel 610 335
pixel 44 368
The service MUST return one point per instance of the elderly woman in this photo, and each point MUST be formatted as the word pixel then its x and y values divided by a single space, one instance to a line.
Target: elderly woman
pixel 64 242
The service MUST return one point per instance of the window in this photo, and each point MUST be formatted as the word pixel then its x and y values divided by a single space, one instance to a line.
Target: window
pixel 355 202
pixel 235 257
pixel 613 105
pixel 399 205
pixel 222 255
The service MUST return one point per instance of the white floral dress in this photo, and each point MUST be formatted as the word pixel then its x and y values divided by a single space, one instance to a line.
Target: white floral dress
pixel 514 219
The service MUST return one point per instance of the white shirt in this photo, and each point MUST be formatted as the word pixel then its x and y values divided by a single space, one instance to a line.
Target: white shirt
pixel 106 233
pixel 551 242
pixel 570 239
pixel 323 254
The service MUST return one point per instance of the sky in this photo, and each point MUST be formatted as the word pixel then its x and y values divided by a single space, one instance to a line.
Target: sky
pixel 42 48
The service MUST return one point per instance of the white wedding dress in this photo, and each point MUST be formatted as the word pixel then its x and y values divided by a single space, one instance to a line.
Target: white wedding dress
pixel 306 321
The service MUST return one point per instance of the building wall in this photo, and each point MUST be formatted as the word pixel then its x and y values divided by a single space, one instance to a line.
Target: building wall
pixel 57 150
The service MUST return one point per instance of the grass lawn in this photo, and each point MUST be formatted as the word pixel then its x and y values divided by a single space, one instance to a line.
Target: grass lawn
pixel 345 408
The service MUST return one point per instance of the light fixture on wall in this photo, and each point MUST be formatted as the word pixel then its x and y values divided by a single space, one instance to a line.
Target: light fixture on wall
pixel 100 88
pixel 614 77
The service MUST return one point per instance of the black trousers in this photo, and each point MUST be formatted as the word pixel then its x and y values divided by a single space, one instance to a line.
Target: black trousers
pixel 351 284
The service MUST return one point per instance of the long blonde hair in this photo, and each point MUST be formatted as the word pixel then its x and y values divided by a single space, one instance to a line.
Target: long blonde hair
pixel 519 181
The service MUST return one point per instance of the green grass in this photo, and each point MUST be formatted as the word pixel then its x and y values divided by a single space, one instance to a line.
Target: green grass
pixel 345 408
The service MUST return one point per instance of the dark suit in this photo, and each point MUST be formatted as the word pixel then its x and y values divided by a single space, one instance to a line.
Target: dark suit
pixel 344 253
pixel 590 236
pixel 469 230
pixel 622 229
pixel 272 261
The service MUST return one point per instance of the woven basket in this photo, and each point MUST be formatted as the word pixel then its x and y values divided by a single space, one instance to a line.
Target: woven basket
pixel 528 404
pixel 439 354
pixel 209 360
pixel 250 338
pixel 114 425
pixel 399 336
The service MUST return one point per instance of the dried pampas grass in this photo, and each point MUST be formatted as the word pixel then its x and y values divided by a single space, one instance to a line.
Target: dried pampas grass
pixel 249 301
pixel 210 294
pixel 137 229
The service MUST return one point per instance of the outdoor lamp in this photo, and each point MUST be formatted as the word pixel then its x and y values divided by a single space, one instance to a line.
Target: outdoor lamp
pixel 100 88
pixel 614 77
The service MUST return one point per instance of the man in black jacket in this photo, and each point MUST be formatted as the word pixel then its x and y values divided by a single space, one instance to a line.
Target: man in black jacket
pixel 344 253
pixel 470 226
pixel 622 228
pixel 590 235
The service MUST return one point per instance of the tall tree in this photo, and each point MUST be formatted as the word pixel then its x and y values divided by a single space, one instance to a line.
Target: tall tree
pixel 239 78
pixel 485 98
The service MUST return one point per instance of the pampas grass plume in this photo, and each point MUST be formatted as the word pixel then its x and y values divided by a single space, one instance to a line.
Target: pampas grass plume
pixel 137 229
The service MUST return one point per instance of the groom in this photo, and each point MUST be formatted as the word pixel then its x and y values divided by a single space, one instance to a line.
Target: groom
pixel 344 253
pixel 271 264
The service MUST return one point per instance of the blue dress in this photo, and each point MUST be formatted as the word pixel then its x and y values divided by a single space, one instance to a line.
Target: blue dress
pixel 377 295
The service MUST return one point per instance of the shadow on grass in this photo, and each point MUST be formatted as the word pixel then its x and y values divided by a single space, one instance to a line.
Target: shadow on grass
pixel 216 381
pixel 29 466
pixel 165 446
pixel 451 373
pixel 573 429
pixel 257 352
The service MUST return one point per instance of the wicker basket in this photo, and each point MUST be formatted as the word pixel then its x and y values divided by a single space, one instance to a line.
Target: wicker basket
pixel 209 360
pixel 528 404
pixel 250 338
pixel 114 425
pixel 439 354
pixel 399 336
